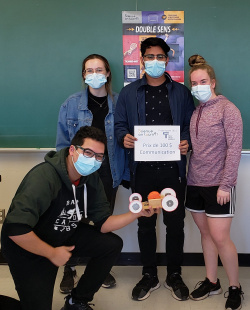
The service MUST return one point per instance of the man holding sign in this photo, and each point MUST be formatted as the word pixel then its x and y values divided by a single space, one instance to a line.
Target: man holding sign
pixel 145 114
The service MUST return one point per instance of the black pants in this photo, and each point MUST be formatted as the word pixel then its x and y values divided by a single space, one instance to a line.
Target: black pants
pixel 156 178
pixel 34 276
pixel 106 177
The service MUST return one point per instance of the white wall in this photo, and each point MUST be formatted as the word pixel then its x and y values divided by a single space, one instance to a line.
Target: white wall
pixel 240 226
pixel 15 163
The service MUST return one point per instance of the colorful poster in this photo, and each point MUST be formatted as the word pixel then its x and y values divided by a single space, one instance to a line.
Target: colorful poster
pixel 139 25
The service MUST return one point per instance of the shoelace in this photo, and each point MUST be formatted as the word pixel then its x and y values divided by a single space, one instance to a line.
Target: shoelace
pixel 66 274
pixel 87 306
pixel 200 284
pixel 234 293
pixel 83 305
pixel 178 280
pixel 145 281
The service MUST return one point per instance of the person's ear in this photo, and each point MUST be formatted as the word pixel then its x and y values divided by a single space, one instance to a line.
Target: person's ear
pixel 213 83
pixel 142 61
pixel 83 75
pixel 71 150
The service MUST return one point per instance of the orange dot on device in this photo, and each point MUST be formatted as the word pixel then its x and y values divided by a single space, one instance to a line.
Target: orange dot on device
pixel 154 195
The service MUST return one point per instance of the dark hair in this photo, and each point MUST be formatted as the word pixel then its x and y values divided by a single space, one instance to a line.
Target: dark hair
pixel 153 41
pixel 197 62
pixel 107 67
pixel 88 132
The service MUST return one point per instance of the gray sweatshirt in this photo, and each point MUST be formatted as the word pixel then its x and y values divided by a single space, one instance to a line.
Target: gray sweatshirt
pixel 216 134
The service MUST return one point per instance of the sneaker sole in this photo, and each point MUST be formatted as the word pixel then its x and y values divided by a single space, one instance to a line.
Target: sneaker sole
pixel 64 291
pixel 173 294
pixel 217 292
pixel 148 293
pixel 108 286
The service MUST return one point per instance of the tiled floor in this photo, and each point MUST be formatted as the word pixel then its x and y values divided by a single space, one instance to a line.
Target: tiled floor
pixel 120 296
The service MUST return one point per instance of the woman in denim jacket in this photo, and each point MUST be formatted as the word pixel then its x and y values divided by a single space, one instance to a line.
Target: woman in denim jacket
pixel 94 106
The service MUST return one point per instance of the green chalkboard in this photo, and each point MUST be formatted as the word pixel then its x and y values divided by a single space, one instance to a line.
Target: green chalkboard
pixel 43 42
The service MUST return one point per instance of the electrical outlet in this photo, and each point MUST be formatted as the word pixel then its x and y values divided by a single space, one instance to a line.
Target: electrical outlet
pixel 2 215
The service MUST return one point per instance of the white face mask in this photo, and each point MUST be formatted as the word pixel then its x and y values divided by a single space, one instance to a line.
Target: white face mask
pixel 201 92
pixel 155 68
pixel 96 80
pixel 86 165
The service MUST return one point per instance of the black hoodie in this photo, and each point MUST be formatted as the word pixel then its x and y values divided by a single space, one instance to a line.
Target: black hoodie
pixel 46 204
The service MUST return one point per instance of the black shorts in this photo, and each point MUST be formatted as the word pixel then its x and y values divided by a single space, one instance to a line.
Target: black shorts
pixel 204 199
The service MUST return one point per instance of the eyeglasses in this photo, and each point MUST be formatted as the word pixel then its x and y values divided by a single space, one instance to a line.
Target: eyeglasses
pixel 97 70
pixel 159 57
pixel 89 153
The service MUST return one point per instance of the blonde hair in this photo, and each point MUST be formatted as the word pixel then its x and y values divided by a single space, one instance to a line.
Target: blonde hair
pixel 197 62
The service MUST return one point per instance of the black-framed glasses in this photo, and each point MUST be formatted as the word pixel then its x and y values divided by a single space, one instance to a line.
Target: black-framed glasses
pixel 89 153
pixel 160 57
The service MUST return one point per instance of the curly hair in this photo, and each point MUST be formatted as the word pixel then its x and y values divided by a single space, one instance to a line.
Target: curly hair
pixel 88 132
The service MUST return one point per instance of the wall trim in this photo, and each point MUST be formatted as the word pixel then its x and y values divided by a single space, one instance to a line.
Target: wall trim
pixel 133 259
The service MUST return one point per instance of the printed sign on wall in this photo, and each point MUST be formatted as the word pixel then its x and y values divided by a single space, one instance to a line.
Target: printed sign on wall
pixel 139 25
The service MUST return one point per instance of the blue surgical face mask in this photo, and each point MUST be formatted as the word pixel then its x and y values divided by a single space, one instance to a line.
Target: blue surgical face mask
pixel 155 68
pixel 201 92
pixel 96 80
pixel 86 165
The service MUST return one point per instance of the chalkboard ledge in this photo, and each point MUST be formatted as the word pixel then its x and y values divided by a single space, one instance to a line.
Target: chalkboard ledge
pixel 26 150
pixel 42 150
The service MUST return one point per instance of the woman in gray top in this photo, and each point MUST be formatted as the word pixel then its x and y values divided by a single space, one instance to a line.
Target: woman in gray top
pixel 216 136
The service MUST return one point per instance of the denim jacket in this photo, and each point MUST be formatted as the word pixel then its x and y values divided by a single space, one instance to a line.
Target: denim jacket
pixel 74 113
pixel 130 111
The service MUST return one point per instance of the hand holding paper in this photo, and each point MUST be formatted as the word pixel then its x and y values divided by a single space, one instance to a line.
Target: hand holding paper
pixel 183 146
pixel 128 141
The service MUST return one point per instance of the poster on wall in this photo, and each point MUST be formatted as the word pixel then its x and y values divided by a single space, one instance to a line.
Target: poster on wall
pixel 139 25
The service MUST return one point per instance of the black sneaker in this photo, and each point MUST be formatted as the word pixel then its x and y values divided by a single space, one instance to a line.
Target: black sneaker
pixel 69 280
pixel 109 281
pixel 205 289
pixel 234 298
pixel 71 304
pixel 177 287
pixel 145 286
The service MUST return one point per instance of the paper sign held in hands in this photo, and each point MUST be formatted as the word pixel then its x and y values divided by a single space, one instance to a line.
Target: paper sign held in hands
pixel 157 143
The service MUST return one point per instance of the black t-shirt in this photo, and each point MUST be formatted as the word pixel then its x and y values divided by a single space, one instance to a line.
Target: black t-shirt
pixel 99 108
pixel 158 112
pixel 157 107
